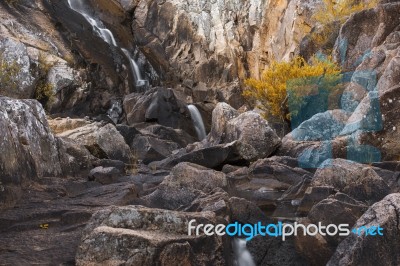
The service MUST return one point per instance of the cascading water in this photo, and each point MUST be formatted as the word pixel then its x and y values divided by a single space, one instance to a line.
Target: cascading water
pixel 80 7
pixel 197 122
pixel 242 255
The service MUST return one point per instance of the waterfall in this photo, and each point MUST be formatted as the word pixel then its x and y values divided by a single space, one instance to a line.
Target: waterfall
pixel 242 255
pixel 197 121
pixel 107 36
pixel 135 69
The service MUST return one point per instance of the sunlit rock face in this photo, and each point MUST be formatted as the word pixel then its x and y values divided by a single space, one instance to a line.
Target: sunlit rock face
pixel 217 41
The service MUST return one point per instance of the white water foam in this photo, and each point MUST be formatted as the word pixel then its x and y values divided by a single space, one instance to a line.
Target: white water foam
pixel 197 122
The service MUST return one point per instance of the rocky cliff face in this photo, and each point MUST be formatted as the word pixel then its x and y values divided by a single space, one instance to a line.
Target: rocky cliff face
pixel 218 41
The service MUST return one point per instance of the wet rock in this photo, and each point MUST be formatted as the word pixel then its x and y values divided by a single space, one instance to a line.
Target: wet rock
pixel 185 183
pixel 278 169
pixel 104 175
pixel 166 133
pixel 312 196
pixel 255 138
pixel 148 149
pixel 373 249
pixel 244 211
pixel 158 105
pixel 103 141
pixel 273 251
pixel 135 234
pixel 211 157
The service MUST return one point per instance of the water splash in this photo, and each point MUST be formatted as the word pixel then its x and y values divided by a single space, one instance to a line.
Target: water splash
pixel 107 36
pixel 197 122
pixel 242 254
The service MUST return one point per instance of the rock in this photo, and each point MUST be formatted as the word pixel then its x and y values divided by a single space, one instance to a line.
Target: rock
pixel 307 246
pixel 245 212
pixel 312 196
pixel 75 159
pixel 255 138
pixel 14 52
pixel 273 251
pixel 203 94
pixel 278 169
pixel 356 180
pixel 211 157
pixel 214 42
pixel 103 141
pixel 171 198
pixel 184 185
pixel 148 149
pixel 373 250
pixel 60 125
pixel 375 118
pixel 119 165
pixel 372 27
pixel 221 114
pixel 128 132
pixel 216 201
pixel 166 133
pixel 311 154
pixel 158 105
pixel 195 177
pixel 337 209
pixel 104 175
pixel 322 126
pixel 231 94
pixel 137 235
pixel 29 149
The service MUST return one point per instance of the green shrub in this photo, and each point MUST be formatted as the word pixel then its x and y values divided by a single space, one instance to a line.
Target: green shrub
pixel 8 76
pixel 44 91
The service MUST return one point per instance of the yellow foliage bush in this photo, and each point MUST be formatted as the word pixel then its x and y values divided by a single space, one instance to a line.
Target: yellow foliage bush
pixel 271 91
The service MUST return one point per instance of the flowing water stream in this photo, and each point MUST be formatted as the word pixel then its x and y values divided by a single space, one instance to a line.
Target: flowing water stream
pixel 80 7
pixel 197 122
pixel 242 255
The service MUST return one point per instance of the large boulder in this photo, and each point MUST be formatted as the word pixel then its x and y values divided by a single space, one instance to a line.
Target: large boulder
pixel 158 105
pixel 16 75
pixel 195 177
pixel 135 235
pixel 221 114
pixel 185 183
pixel 103 141
pixel 256 139
pixel 373 249
pixel 28 148
pixel 149 149
pixel 358 181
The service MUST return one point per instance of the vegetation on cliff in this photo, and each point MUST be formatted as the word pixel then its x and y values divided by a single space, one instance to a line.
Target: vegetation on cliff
pixel 297 78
